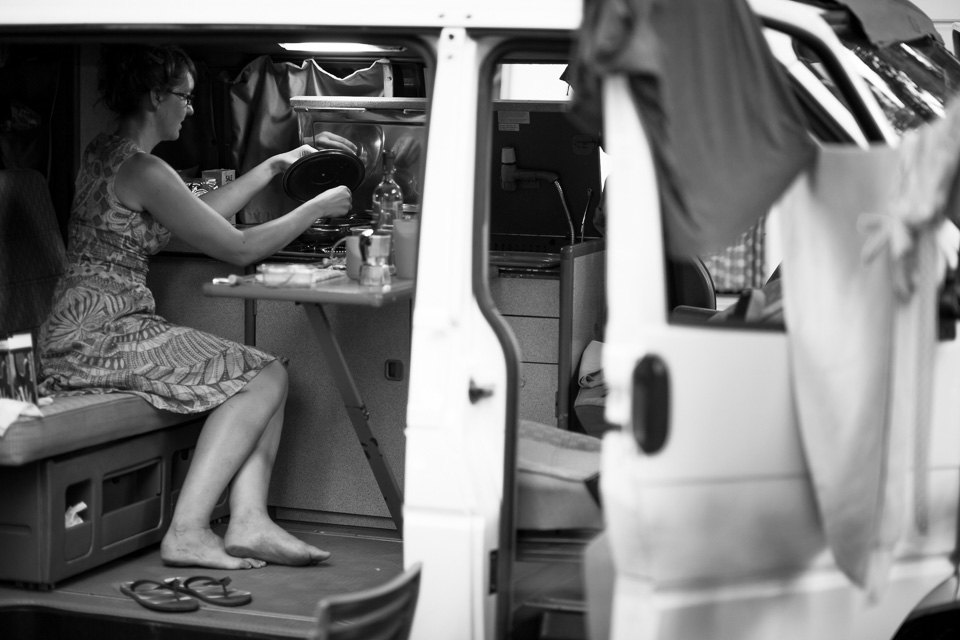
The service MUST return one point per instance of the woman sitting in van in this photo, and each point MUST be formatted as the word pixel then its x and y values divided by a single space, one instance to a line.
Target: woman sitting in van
pixel 103 334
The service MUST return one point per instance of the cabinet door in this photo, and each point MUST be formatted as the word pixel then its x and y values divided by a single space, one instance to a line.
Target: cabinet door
pixel 538 392
pixel 176 285
pixel 321 473
pixel 531 306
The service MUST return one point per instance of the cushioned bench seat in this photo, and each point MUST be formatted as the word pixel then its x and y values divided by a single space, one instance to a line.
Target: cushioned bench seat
pixel 72 423
pixel 114 457
pixel 32 257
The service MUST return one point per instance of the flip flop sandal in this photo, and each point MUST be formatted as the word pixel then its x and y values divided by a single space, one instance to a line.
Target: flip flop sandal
pixel 210 590
pixel 158 596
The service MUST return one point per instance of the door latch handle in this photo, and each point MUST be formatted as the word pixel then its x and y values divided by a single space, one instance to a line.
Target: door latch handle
pixel 478 393
pixel 651 404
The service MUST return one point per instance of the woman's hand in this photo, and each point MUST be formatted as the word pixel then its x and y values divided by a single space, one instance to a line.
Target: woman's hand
pixel 282 161
pixel 328 140
pixel 333 203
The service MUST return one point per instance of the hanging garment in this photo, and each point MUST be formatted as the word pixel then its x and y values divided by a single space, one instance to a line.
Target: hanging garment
pixel 860 276
pixel 727 134
pixel 923 246
pixel 264 124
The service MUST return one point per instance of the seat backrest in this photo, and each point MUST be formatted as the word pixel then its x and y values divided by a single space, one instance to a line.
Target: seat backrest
pixel 32 254
pixel 381 613
pixel 689 284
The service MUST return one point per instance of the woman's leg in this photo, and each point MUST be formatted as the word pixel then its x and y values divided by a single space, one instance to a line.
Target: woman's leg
pixel 251 532
pixel 232 431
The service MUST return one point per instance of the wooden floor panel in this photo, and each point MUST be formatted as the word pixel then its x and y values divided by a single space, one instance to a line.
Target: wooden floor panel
pixel 284 598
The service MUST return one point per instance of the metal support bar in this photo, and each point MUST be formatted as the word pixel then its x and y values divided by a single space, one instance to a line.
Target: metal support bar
pixel 356 411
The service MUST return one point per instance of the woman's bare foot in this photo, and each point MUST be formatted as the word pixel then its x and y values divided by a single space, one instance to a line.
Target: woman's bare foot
pixel 264 539
pixel 201 548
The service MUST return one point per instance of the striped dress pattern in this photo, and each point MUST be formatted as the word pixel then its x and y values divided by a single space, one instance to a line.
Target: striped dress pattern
pixel 103 334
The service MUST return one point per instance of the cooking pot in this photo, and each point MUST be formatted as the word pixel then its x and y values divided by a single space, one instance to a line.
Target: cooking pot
pixel 369 139
pixel 317 172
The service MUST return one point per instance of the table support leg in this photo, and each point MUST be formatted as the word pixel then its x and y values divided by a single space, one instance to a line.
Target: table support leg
pixel 356 411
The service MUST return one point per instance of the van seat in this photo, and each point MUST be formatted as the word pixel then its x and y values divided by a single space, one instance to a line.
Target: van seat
pixel 72 423
pixel 32 257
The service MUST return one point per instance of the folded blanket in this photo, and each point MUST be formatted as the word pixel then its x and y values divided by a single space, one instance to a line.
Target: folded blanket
pixel 591 366
pixel 11 410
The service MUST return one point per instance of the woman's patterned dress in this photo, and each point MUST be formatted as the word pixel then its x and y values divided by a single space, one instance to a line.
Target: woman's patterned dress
pixel 103 334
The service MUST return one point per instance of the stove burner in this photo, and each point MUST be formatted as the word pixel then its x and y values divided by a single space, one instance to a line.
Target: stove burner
pixel 307 251
pixel 305 246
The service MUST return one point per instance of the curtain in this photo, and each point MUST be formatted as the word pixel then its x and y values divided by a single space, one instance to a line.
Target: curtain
pixel 264 124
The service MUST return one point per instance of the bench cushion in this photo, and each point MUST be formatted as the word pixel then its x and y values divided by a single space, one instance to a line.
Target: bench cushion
pixel 553 469
pixel 72 423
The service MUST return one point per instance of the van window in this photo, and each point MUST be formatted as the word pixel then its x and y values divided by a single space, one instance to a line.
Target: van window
pixel 520 81
pixel 911 81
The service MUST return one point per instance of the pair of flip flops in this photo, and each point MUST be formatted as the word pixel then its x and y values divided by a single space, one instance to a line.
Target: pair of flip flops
pixel 179 595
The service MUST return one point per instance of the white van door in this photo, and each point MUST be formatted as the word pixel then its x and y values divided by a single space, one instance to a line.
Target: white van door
pixel 458 385
pixel 711 516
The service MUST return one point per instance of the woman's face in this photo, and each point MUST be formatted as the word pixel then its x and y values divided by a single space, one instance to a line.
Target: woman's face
pixel 176 105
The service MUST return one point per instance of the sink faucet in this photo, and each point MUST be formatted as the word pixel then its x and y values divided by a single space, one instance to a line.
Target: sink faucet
pixel 511 174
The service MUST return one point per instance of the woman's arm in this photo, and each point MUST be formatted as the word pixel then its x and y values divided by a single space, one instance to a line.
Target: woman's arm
pixel 147 183
pixel 231 197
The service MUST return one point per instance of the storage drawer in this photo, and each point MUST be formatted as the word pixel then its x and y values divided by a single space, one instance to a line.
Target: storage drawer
pixel 538 393
pixel 538 338
pixel 126 486
pixel 538 297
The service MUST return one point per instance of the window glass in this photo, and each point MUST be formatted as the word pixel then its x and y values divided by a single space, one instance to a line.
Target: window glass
pixel 911 81
pixel 533 82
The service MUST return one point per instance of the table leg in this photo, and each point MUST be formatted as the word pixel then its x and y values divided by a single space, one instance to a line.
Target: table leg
pixel 356 411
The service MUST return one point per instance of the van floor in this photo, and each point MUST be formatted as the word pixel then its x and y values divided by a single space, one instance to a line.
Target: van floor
pixel 91 605
pixel 284 598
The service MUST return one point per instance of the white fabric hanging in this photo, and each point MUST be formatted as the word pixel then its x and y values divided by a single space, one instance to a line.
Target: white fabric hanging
pixel 861 268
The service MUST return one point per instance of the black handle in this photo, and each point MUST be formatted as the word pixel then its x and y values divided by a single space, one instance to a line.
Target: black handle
pixel 651 403
pixel 477 393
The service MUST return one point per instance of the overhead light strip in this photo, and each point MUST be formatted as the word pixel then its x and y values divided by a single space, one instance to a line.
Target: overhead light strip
pixel 338 47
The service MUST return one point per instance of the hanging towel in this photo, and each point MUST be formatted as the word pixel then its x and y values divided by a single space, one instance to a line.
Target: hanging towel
pixel 922 244
pixel 860 274
pixel 840 315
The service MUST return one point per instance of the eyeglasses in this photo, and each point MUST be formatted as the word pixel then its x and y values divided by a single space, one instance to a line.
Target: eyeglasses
pixel 187 97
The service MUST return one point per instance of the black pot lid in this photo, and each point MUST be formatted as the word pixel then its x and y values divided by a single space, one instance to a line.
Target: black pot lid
pixel 313 174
